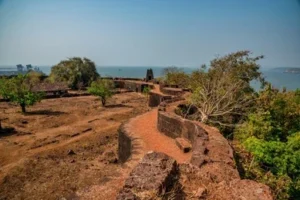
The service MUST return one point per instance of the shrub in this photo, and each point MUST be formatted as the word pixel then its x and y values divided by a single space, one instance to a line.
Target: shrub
pixel 271 135
pixel 102 88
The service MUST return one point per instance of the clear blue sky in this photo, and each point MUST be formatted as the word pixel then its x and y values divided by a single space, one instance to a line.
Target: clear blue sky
pixel 148 32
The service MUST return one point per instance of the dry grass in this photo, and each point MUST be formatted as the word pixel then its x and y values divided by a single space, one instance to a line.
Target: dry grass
pixel 35 167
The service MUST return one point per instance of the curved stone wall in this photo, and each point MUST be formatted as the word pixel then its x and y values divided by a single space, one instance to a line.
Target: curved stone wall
pixel 129 146
pixel 211 164
pixel 208 145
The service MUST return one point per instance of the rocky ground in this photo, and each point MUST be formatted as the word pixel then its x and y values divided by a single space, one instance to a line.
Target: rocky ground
pixel 64 148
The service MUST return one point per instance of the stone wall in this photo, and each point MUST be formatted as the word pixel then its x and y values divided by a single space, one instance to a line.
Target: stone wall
pixel 206 148
pixel 130 146
pixel 172 91
pixel 155 99
pixel 175 126
pixel 212 168
pixel 132 85
pixel 124 144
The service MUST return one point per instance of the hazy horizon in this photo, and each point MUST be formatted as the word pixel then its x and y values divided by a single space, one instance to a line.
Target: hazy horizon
pixel 148 33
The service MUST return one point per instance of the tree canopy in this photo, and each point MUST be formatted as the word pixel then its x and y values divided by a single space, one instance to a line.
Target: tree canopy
pixel 75 72
pixel 176 76
pixel 224 89
pixel 19 90
pixel 271 134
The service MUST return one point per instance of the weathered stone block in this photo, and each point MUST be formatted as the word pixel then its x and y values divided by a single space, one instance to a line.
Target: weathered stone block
pixel 183 144
pixel 156 173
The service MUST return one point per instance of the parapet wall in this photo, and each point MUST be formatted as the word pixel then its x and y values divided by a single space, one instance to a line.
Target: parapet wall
pixel 129 146
pixel 155 98
pixel 209 147
pixel 131 85
pixel 124 144
pixel 171 90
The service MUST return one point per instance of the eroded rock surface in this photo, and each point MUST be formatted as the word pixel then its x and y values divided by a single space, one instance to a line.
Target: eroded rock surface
pixel 154 175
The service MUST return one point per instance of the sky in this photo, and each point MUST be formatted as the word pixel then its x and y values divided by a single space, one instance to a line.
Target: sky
pixel 183 33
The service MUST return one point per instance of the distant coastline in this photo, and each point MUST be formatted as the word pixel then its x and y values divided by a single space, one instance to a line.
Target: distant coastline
pixel 292 70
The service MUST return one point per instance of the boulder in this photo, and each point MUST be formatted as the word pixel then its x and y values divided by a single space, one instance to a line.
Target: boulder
pixel 154 175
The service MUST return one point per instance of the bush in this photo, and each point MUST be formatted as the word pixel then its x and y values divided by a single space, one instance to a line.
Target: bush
pixel 102 88
pixel 271 135
pixel 176 76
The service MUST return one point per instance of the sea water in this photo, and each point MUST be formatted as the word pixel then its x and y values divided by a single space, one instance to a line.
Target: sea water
pixel 276 77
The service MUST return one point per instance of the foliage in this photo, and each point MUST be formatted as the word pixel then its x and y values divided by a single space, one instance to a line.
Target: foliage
pixel 146 91
pixel 35 77
pixel 223 93
pixel 272 136
pixel 176 76
pixel 20 91
pixel 75 72
pixel 4 88
pixel 102 88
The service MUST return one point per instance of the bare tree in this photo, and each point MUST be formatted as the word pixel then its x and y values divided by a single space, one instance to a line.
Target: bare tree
pixel 224 90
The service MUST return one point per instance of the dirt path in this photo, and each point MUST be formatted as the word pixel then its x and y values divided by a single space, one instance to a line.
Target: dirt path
pixel 145 127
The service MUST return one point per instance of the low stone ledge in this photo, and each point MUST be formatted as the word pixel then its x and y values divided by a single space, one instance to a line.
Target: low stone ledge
pixel 183 144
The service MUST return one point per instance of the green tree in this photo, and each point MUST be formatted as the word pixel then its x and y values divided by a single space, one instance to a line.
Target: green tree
pixel 20 92
pixel 223 93
pixel 4 88
pixel 35 77
pixel 74 71
pixel 102 88
pixel 176 76
pixel 271 134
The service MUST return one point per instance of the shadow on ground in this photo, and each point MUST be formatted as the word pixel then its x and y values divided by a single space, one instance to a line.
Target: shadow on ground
pixel 44 112
pixel 118 106
pixel 8 131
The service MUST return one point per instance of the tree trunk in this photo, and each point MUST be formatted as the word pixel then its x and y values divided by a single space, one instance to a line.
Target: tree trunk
pixel 23 107
pixel 103 101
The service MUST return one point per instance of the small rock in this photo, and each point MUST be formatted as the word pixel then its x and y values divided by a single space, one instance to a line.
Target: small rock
pixel 113 160
pixel 71 152
pixel 24 122
pixel 72 161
